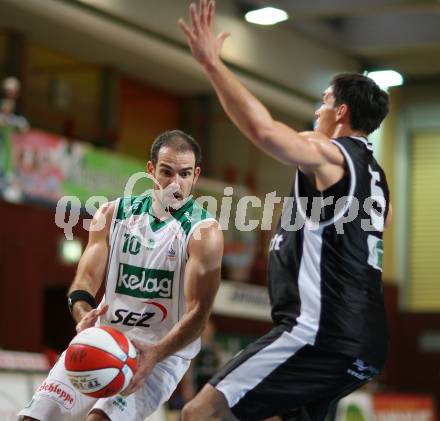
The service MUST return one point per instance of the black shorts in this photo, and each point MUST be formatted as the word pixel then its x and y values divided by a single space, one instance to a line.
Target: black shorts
pixel 281 375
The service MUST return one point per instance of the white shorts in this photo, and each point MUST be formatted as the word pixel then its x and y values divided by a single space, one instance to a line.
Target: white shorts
pixel 56 399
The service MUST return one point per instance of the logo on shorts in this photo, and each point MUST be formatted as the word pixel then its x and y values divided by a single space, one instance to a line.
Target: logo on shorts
pixel 144 283
pixel 120 402
pixel 61 393
pixel 362 371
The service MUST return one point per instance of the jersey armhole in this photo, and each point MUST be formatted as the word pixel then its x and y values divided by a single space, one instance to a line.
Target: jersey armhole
pixel 191 231
pixel 387 192
pixel 113 221
pixel 353 181
pixel 349 196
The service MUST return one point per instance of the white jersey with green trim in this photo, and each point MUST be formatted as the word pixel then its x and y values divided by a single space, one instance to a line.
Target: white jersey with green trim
pixel 146 268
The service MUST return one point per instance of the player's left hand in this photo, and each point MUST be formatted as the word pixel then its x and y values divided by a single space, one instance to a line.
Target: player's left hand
pixel 89 319
pixel 147 359
pixel 205 45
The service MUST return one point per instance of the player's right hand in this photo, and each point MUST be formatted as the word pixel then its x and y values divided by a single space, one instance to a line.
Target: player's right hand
pixel 91 317
pixel 205 45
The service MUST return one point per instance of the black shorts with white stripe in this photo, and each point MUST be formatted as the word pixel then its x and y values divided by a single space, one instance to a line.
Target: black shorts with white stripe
pixel 279 375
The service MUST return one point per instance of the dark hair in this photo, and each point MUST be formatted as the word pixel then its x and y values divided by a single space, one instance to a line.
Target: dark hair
pixel 177 140
pixel 368 104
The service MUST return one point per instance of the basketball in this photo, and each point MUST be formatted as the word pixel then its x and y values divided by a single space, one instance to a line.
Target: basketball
pixel 100 362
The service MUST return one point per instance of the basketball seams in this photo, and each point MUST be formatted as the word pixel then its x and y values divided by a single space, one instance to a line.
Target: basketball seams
pixel 130 361
pixel 118 337
pixel 104 336
pixel 113 358
pixel 107 376
pixel 110 389
pixel 132 353
pixel 100 361
pixel 127 378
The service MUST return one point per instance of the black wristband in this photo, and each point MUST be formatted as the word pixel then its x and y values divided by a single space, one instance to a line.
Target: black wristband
pixel 80 295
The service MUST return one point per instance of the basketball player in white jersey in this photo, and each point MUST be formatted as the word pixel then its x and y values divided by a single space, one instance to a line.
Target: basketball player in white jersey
pixel 159 256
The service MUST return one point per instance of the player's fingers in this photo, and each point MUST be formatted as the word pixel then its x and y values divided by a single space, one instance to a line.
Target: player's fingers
pixel 134 384
pixel 92 315
pixel 135 387
pixel 139 345
pixel 194 18
pixel 184 27
pixel 86 322
pixel 101 310
pixel 136 342
pixel 210 13
pixel 203 13
pixel 221 38
pixel 129 389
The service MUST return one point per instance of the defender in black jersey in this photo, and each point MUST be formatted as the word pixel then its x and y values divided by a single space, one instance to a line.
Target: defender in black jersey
pixel 330 335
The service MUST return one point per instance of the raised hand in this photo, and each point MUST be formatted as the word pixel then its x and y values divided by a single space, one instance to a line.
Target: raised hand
pixel 205 45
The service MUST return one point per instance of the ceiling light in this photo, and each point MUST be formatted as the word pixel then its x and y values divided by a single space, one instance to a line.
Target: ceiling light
pixel 266 16
pixel 386 78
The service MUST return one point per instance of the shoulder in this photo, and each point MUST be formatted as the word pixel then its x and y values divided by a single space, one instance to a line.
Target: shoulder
pixel 132 205
pixel 102 219
pixel 206 241
pixel 192 216
pixel 199 224
pixel 108 207
pixel 106 210
pixel 354 146
pixel 326 148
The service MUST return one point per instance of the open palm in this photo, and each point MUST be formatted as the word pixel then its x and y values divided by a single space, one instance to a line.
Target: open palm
pixel 205 46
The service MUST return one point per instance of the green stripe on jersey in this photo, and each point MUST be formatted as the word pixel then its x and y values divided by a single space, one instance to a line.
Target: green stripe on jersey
pixel 191 216
pixel 133 205
pixel 188 215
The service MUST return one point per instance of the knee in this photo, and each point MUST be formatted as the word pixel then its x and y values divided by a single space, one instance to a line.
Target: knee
pixel 188 412
pixel 192 411
pixel 208 404
pixel 97 415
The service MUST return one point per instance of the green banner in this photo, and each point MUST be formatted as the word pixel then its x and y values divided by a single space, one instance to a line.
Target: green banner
pixel 41 165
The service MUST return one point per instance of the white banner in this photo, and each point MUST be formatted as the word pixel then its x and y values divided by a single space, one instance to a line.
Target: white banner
pixel 242 300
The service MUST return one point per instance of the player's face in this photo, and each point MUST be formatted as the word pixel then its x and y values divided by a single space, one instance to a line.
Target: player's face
pixel 327 114
pixel 176 173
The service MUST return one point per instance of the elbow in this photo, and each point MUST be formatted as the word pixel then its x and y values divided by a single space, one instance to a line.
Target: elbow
pixel 200 317
pixel 389 217
pixel 260 134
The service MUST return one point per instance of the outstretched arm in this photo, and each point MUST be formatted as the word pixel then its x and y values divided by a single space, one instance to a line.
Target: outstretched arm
pixel 201 282
pixel 247 112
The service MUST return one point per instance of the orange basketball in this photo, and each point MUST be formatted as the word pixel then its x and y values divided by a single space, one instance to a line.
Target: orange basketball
pixel 100 362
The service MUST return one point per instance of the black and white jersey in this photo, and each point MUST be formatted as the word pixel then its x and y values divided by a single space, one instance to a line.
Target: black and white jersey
pixel 325 263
